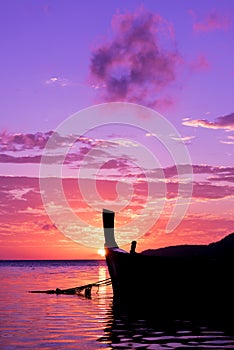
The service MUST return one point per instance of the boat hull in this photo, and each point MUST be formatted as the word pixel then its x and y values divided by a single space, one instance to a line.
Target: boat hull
pixel 186 279
pixel 170 284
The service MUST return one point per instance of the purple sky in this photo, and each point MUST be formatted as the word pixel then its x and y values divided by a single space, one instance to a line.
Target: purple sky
pixel 46 55
pixel 176 57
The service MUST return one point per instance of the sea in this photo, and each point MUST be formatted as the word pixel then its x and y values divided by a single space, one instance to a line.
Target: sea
pixel 50 321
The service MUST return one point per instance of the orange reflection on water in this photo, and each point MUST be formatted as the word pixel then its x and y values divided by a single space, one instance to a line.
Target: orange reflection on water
pixel 41 321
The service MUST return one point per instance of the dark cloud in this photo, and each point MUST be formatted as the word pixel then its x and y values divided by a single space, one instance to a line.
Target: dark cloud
pixel 223 122
pixel 219 171
pixel 5 158
pixel 70 158
pixel 34 144
pixel 209 191
pixel 120 164
pixel 19 141
pixel 203 191
pixel 227 120
pixel 48 227
pixel 135 66
pixel 227 178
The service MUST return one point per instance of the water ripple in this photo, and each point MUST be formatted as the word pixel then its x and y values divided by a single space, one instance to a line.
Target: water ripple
pixel 42 321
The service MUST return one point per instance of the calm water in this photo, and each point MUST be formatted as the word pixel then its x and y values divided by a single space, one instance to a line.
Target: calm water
pixel 44 321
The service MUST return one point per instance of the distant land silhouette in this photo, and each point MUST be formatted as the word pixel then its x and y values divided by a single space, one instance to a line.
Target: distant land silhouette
pixel 223 247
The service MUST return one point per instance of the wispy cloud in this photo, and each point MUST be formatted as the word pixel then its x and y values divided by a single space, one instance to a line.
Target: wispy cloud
pixel 134 66
pixel 224 122
pixel 213 21
pixel 184 139
pixel 58 81
pixel 206 191
pixel 199 64
pixel 229 140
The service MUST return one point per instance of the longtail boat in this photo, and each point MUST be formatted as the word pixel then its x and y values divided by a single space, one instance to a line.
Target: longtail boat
pixel 181 278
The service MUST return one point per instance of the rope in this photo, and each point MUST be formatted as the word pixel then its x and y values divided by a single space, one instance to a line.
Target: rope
pixel 76 290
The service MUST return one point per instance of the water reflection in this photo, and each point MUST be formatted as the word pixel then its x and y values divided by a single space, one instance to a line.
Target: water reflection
pixel 42 321
pixel 127 329
pixel 102 275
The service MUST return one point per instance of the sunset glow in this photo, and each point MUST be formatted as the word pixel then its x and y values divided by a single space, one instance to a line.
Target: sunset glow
pixel 173 59
pixel 101 252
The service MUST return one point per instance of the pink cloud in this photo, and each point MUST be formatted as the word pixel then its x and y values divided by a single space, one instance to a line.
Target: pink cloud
pixel 200 63
pixel 224 122
pixel 20 193
pixel 24 220
pixel 134 66
pixel 213 21
pixel 229 140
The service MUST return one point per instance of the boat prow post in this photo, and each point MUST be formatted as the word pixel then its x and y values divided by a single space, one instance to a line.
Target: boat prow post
pixel 108 218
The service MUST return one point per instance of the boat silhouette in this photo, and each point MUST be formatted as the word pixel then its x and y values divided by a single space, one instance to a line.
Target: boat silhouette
pixel 181 279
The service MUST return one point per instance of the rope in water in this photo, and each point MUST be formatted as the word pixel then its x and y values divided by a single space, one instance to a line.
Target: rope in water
pixel 76 290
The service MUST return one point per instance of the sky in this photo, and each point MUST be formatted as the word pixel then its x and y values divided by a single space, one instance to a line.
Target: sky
pixel 120 104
